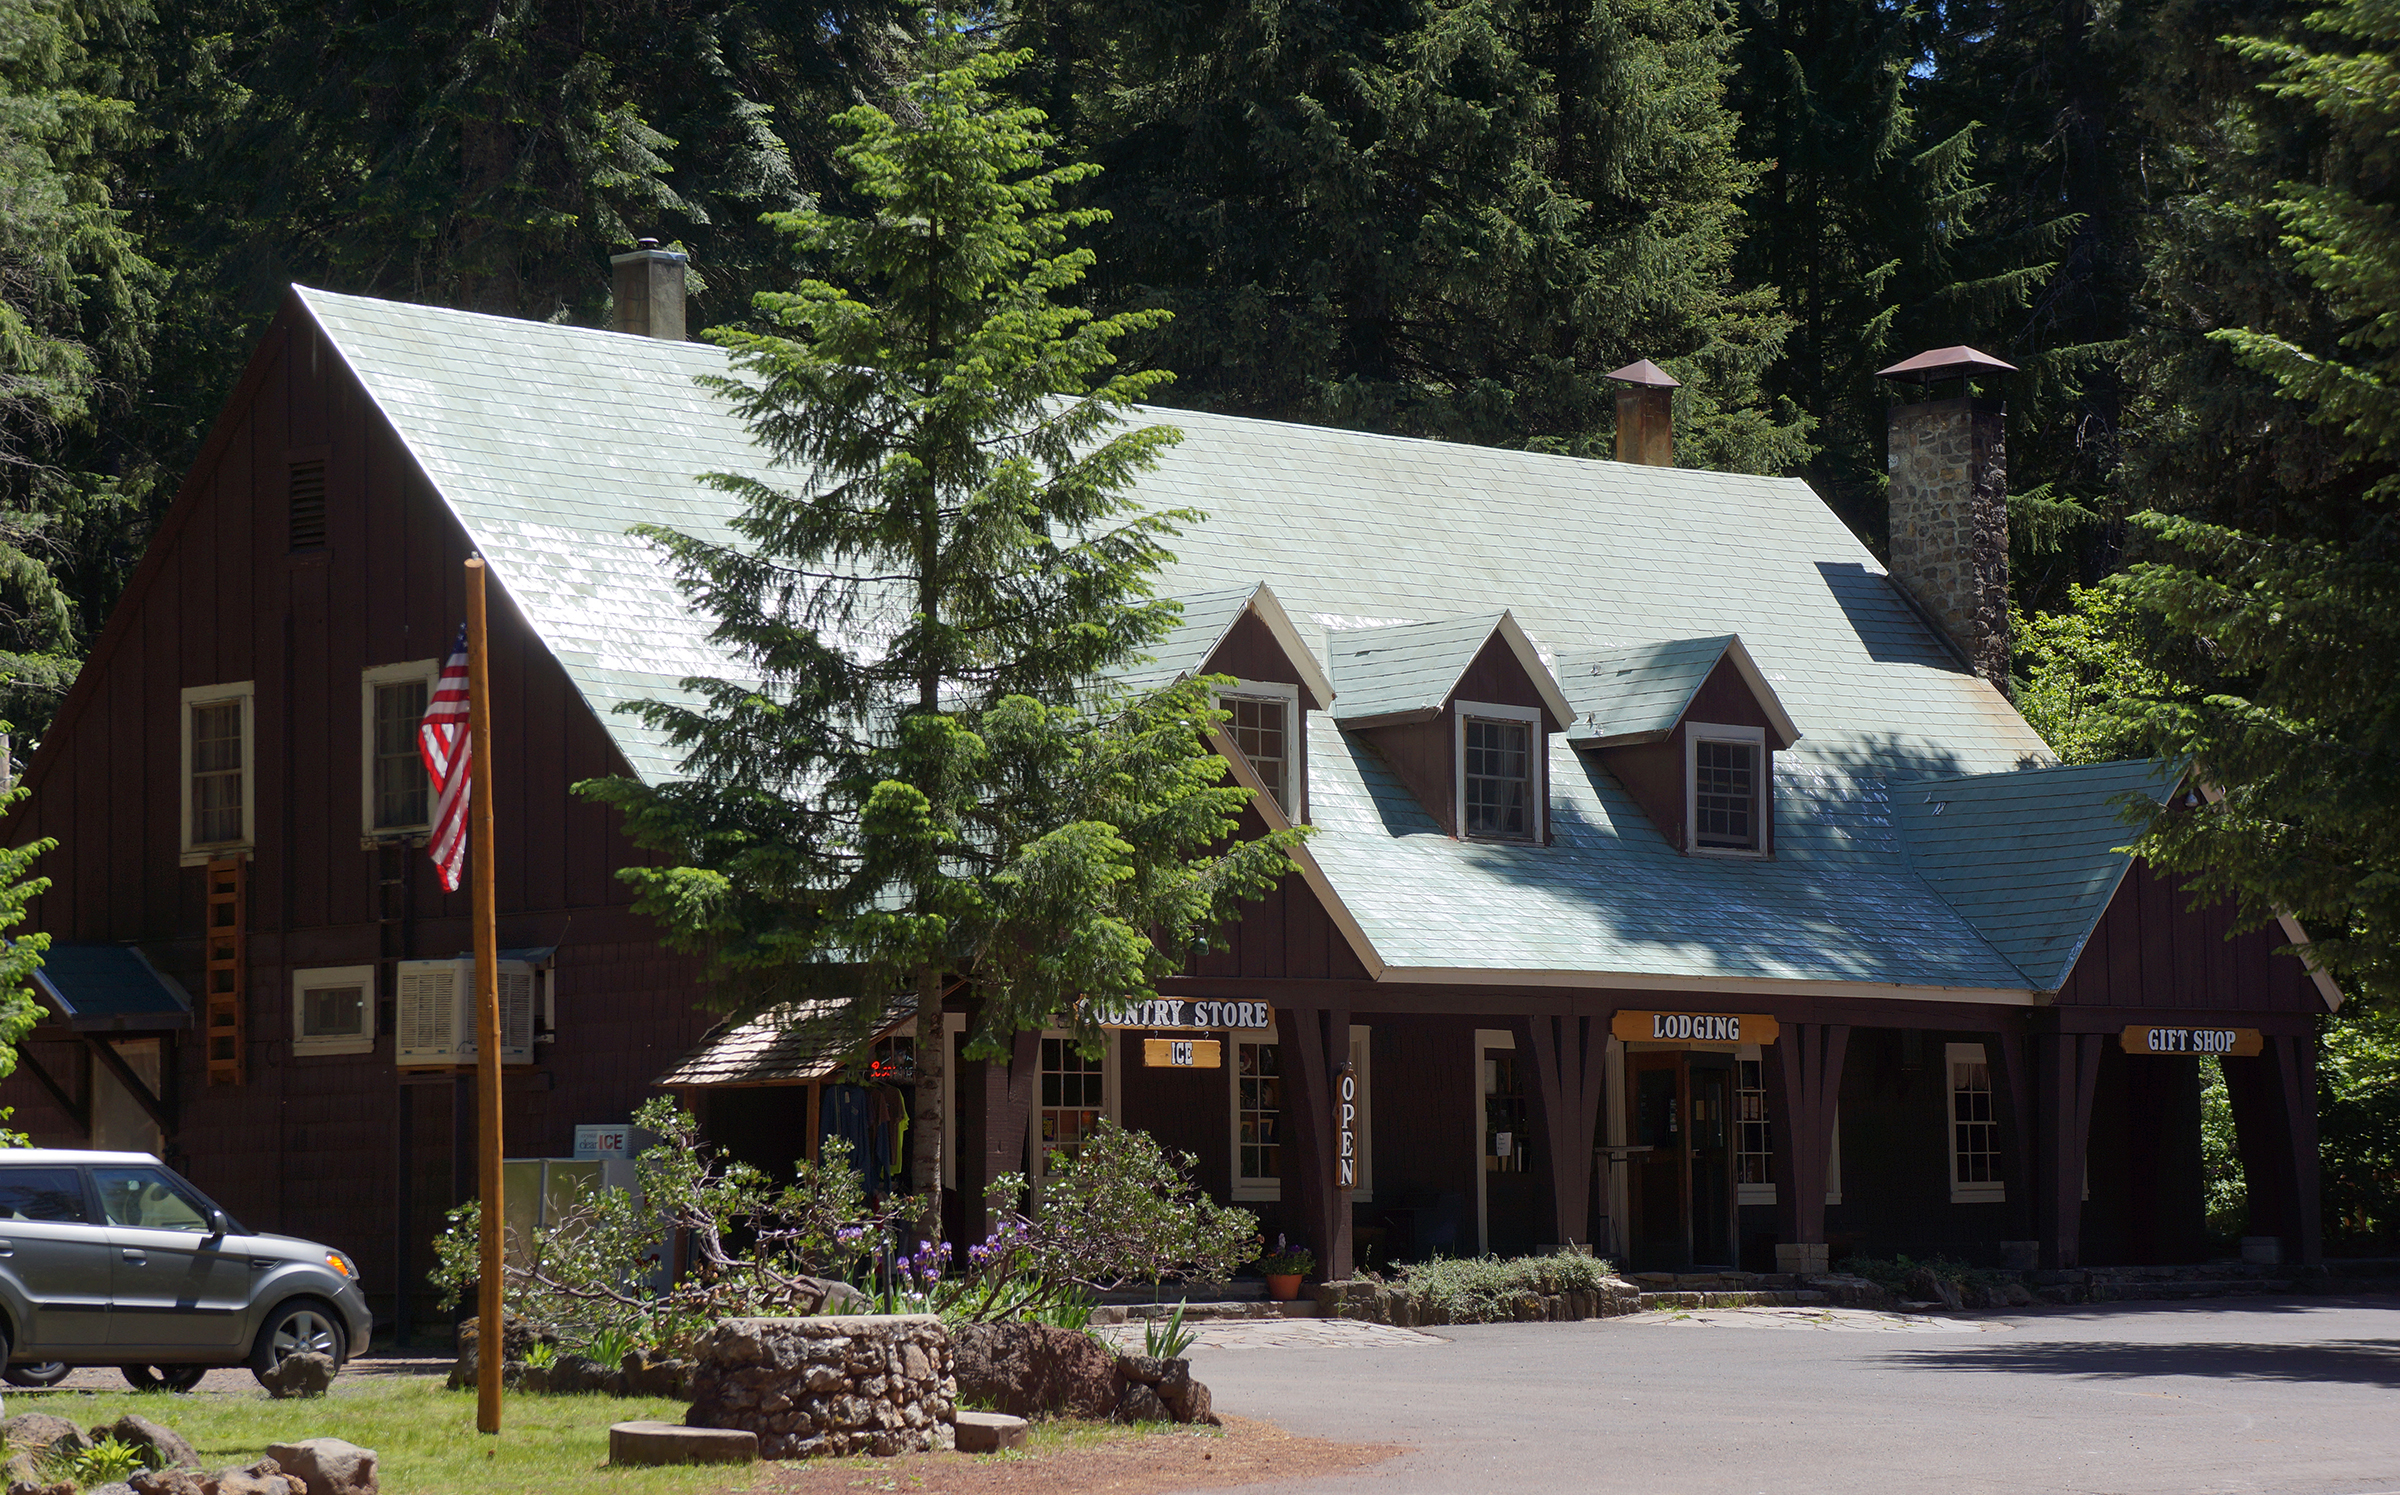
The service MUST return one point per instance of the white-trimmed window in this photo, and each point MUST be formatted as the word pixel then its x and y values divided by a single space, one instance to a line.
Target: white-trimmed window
pixel 333 1010
pixel 1070 1097
pixel 1264 722
pixel 1974 1127
pixel 1257 1096
pixel 1725 790
pixel 1499 754
pixel 1754 1134
pixel 220 812
pixel 395 797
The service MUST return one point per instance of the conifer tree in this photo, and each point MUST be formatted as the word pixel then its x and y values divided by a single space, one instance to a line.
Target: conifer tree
pixel 2298 717
pixel 923 778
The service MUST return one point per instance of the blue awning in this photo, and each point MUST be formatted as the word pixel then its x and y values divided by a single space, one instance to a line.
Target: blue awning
pixel 111 988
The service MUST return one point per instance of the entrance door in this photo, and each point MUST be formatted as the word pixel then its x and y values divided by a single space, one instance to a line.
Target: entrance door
pixel 1680 1192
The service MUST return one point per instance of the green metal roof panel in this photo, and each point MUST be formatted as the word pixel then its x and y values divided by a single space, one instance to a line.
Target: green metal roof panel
pixel 1403 669
pixel 1630 694
pixel 2030 858
pixel 550 442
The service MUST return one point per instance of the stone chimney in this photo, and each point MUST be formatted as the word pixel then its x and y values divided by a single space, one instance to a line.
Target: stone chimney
pixel 1949 504
pixel 1646 414
pixel 649 291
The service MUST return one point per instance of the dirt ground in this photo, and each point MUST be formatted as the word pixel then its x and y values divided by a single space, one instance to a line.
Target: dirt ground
pixel 1120 1461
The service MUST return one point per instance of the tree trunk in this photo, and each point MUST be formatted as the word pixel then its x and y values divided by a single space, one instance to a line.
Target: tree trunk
pixel 933 1063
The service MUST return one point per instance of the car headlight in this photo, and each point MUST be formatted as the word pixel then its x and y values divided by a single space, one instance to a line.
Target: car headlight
pixel 342 1264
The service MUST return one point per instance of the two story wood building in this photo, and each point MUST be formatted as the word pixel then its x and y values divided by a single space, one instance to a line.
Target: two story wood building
pixel 1679 884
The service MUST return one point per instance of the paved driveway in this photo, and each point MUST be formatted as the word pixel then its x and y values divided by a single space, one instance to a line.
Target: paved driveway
pixel 2181 1399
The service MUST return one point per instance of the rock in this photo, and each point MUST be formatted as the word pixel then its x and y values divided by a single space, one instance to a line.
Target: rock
pixel 34 1487
pixel 990 1432
pixel 113 1487
pixel 649 1374
pixel 328 1466
pixel 1147 1369
pixel 266 1477
pixel 516 1340
pixel 1140 1403
pixel 36 1433
pixel 167 1448
pixel 673 1443
pixel 1035 1370
pixel 2018 1295
pixel 572 1373
pixel 300 1375
pixel 837 1385
pixel 168 1482
pixel 1924 1286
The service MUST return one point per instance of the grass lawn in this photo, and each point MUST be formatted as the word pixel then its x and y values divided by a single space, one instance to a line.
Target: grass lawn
pixel 423 1434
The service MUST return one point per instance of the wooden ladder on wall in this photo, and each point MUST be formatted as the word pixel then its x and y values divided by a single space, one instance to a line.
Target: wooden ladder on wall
pixel 228 968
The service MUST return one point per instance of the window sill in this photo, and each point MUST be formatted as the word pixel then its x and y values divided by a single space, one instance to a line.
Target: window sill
pixel 1978 1194
pixel 414 835
pixel 1258 1193
pixel 1734 852
pixel 309 1048
pixel 201 856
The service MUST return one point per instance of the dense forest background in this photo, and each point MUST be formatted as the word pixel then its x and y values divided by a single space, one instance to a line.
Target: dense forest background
pixel 1431 217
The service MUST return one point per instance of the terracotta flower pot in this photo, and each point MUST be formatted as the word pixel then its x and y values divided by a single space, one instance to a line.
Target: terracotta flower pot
pixel 1283 1287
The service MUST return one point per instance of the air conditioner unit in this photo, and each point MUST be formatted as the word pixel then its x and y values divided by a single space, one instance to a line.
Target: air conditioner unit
pixel 437 1012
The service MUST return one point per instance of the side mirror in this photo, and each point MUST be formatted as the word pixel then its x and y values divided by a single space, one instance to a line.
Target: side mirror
pixel 218 1225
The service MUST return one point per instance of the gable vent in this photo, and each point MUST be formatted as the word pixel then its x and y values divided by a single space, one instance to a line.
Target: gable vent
pixel 308 505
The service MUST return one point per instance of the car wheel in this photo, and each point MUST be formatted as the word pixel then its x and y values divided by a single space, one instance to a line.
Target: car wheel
pixel 49 1373
pixel 301 1327
pixel 163 1377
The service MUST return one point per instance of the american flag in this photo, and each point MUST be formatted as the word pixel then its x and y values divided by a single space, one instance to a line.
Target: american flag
pixel 449 763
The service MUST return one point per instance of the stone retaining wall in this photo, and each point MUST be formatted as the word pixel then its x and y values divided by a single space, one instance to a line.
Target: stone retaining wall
pixel 841 1384
pixel 1390 1303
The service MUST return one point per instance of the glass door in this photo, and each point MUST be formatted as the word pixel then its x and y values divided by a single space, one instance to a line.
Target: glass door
pixel 1658 1177
pixel 1709 1139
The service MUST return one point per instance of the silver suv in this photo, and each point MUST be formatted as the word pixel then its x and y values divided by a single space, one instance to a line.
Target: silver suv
pixel 112 1258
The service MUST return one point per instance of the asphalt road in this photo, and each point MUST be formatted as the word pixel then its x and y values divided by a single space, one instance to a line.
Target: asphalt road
pixel 2179 1399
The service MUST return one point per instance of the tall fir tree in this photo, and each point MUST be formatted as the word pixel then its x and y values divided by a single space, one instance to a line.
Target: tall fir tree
pixel 2298 617
pixel 1436 219
pixel 923 780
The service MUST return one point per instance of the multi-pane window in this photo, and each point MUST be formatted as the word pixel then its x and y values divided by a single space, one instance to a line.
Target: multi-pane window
pixel 402 795
pixel 1725 794
pixel 1261 729
pixel 1499 778
pixel 217 788
pixel 1974 1128
pixel 1074 1097
pixel 333 1010
pixel 1257 1107
pixel 1753 1138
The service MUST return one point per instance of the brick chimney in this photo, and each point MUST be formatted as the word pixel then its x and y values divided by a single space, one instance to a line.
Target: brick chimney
pixel 1949 504
pixel 1646 414
pixel 649 291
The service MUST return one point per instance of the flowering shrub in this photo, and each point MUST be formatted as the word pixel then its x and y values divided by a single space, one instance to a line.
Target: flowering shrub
pixel 1122 1209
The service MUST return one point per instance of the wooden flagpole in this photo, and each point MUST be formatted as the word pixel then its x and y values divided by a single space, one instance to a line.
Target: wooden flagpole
pixel 491 1323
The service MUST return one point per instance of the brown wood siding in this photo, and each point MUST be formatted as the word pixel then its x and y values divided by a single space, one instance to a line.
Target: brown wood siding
pixel 1652 772
pixel 2150 950
pixel 1249 652
pixel 309 1145
pixel 1496 677
pixel 1418 754
pixel 1285 936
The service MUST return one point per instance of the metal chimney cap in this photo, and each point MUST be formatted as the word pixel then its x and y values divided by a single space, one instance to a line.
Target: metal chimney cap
pixel 1645 372
pixel 1959 362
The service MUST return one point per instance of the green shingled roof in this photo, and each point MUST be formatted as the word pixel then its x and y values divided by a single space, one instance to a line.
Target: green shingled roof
pixel 549 442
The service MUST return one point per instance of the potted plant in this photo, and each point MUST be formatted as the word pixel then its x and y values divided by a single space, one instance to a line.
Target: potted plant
pixel 1283 1268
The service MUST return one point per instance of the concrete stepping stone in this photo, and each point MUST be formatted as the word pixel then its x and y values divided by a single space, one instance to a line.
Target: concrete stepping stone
pixel 989 1432
pixel 673 1443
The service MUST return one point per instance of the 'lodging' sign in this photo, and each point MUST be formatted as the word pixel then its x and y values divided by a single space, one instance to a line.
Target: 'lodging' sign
pixel 1694 1027
pixel 2235 1043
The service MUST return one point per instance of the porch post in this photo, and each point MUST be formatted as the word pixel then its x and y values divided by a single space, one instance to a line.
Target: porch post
pixel 2274 1099
pixel 1315 1041
pixel 2017 1138
pixel 1569 1055
pixel 1007 1100
pixel 2066 1070
pixel 1808 1059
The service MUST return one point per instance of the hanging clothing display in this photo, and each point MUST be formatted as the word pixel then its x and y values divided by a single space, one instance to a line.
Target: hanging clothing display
pixel 873 1119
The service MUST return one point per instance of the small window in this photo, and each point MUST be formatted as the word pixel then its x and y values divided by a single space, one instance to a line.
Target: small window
pixel 218 808
pixel 307 495
pixel 395 796
pixel 1257 1113
pixel 333 1010
pixel 54 1194
pixel 1974 1128
pixel 1263 719
pixel 147 1199
pixel 1725 776
pixel 1074 1097
pixel 1499 777
pixel 1754 1136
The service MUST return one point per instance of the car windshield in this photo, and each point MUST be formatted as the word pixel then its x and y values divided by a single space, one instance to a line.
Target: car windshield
pixel 150 1199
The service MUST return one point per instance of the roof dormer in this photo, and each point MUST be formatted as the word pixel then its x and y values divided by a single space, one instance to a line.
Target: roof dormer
pixel 1462 709
pixel 1245 633
pixel 1690 728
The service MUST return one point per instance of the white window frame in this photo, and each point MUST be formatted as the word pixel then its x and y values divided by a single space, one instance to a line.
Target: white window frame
pixel 1981 1191
pixel 1698 732
pixel 1765 1193
pixel 320 977
pixel 1111 1093
pixel 428 671
pixel 196 854
pixel 1488 1041
pixel 1295 758
pixel 1537 763
pixel 1249 1188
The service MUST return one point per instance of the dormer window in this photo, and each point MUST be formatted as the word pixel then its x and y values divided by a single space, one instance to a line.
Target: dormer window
pixel 1726 778
pixel 1263 721
pixel 1499 797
